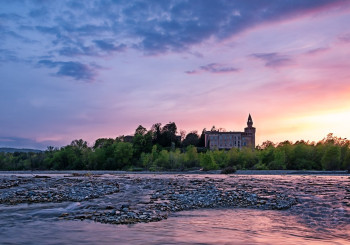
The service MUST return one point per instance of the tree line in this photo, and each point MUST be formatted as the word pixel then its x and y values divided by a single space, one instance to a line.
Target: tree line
pixel 160 149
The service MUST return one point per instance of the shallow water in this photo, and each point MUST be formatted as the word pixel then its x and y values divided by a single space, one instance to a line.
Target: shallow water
pixel 37 224
pixel 319 218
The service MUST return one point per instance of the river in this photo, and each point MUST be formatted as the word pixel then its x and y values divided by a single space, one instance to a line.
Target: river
pixel 310 222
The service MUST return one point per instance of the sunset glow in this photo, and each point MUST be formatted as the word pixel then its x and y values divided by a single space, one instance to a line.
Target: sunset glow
pixel 73 70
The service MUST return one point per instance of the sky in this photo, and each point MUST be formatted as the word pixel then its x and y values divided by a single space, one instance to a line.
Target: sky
pixel 94 69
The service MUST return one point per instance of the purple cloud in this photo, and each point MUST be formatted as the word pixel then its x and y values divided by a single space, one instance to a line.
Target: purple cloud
pixel 39 13
pixel 19 142
pixel 214 68
pixel 159 26
pixel 317 50
pixel 8 56
pixel 109 46
pixel 191 72
pixel 218 68
pixel 77 51
pixel 76 70
pixel 345 38
pixel 273 59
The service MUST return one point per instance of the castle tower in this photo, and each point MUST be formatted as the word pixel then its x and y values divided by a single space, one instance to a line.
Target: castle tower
pixel 250 121
pixel 250 132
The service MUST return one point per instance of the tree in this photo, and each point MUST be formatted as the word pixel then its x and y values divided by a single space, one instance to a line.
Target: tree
pixel 123 154
pixel 248 157
pixel 191 158
pixel 50 149
pixel 156 130
pixel 266 153
pixel 140 130
pixel 207 161
pixel 80 144
pixel 168 135
pixel 176 159
pixel 65 158
pixel 142 143
pixel 331 158
pixel 302 156
pixel 163 160
pixel 201 141
pixel 279 161
pixel 103 142
pixel 98 158
pixel 192 138
pixel 233 158
pixel 346 161
pixel 220 158
pixel 81 151
pixel 182 134
pixel 266 144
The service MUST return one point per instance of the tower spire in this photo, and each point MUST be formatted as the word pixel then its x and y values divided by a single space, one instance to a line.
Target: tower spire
pixel 250 121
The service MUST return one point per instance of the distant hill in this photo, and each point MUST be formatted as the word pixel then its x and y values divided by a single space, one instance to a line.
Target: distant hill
pixel 12 150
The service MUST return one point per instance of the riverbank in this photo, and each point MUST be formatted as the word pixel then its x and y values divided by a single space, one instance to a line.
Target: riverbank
pixel 200 172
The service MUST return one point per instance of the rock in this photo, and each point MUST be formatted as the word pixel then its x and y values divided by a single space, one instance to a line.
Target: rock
pixel 154 198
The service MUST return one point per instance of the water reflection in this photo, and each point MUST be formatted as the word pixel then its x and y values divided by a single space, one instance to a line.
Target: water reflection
pixel 223 226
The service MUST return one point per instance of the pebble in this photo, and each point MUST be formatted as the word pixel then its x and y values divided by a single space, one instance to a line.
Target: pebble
pixel 37 190
pixel 126 200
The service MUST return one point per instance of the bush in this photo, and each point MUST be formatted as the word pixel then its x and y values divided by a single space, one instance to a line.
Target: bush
pixel 207 162
pixel 260 166
pixel 229 170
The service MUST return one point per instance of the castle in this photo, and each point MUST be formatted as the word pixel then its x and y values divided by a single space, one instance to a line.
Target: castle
pixel 227 140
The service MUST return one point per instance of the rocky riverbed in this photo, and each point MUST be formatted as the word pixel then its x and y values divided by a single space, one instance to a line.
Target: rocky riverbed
pixel 132 198
pixel 37 189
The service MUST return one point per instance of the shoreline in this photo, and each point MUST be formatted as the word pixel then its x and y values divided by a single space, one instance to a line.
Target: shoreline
pixel 193 172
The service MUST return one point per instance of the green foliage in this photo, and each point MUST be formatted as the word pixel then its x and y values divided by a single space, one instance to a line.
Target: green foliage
pixel 266 155
pixel 158 150
pixel 191 158
pixel 220 157
pixel 346 160
pixel 192 138
pixel 207 161
pixel 260 166
pixel 176 160
pixel 122 154
pixel 331 158
pixel 148 159
pixel 142 141
pixel 165 136
pixel 233 158
pixel 248 158
pixel 163 160
pixel 279 161
pixel 103 143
